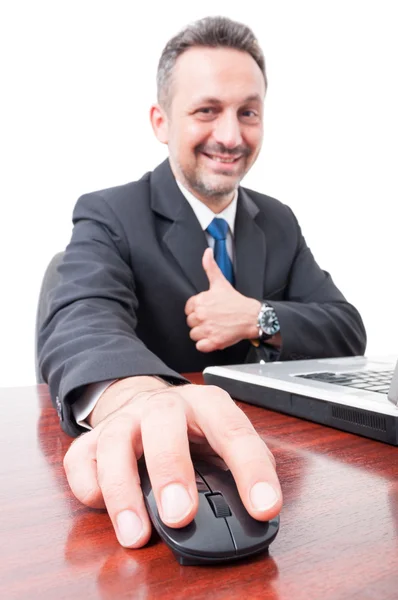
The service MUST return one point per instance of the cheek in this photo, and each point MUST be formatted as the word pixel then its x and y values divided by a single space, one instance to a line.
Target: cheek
pixel 193 134
pixel 254 138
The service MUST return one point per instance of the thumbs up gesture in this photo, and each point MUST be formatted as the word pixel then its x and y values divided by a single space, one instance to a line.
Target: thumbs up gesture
pixel 221 316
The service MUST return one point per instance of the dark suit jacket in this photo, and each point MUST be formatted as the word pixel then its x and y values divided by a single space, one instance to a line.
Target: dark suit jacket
pixel 134 260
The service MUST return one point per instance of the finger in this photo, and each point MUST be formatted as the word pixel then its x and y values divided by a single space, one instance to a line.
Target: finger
pixel 205 345
pixel 167 456
pixel 118 478
pixel 190 304
pixel 212 270
pixel 204 451
pixel 234 438
pixel 192 320
pixel 81 470
pixel 197 333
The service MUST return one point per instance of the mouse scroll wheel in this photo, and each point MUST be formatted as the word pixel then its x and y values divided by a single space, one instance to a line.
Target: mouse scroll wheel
pixel 219 506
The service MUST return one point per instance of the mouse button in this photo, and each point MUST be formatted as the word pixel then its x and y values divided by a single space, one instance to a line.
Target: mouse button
pixel 204 536
pixel 249 534
pixel 215 477
pixel 218 505
pixel 201 485
pixel 218 480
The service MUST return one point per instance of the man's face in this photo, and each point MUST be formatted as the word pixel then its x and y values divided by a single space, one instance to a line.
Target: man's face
pixel 215 121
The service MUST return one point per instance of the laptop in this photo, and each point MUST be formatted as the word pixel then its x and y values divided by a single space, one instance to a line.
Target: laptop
pixel 355 394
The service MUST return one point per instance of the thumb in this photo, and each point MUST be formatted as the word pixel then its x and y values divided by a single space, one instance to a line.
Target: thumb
pixel 212 270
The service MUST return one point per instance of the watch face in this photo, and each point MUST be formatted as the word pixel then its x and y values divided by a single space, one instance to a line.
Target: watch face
pixel 269 322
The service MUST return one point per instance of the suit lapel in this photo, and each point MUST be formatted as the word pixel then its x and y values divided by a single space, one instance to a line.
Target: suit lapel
pixel 187 242
pixel 182 233
pixel 183 236
pixel 250 248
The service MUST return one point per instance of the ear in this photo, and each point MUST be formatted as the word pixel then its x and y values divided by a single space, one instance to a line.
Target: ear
pixel 160 123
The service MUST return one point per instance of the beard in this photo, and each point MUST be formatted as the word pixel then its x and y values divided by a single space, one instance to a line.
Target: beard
pixel 215 186
pixel 210 187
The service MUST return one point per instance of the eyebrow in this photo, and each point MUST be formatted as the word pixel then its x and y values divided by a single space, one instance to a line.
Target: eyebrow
pixel 213 100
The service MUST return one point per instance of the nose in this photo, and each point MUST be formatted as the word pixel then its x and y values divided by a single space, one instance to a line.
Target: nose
pixel 227 130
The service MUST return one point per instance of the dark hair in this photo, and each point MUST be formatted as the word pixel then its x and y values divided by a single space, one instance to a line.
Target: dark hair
pixel 210 32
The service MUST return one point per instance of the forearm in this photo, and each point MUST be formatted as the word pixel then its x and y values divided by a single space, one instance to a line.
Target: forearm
pixel 249 316
pixel 320 330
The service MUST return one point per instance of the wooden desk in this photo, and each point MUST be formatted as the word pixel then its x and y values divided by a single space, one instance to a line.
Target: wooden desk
pixel 338 536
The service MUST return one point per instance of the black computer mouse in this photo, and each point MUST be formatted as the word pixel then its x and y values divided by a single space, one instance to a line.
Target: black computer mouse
pixel 222 530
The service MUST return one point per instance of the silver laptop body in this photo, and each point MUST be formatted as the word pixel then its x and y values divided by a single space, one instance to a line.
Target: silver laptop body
pixel 355 394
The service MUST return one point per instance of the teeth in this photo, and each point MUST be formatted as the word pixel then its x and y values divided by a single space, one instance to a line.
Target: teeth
pixel 225 160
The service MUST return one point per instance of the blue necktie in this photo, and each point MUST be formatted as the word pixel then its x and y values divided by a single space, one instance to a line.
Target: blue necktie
pixel 218 229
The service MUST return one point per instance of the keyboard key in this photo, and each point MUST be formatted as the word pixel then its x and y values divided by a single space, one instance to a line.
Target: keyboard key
pixel 374 381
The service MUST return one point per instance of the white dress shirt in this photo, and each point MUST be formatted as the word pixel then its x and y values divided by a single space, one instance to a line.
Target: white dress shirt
pixel 85 404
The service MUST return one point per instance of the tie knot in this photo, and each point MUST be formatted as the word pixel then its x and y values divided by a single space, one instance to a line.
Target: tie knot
pixel 218 228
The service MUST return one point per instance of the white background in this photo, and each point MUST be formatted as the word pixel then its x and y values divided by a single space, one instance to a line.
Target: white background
pixel 78 78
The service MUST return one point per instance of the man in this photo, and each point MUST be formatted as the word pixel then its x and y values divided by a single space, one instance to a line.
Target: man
pixel 142 298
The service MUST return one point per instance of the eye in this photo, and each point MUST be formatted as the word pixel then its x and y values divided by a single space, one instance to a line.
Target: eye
pixel 206 113
pixel 250 114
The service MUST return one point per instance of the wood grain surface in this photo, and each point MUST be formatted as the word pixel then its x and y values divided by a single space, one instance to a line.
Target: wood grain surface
pixel 338 537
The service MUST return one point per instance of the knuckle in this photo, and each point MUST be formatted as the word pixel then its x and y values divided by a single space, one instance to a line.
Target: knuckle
pixel 111 489
pixel 214 333
pixel 115 486
pixel 210 329
pixel 200 313
pixel 205 397
pixel 218 394
pixel 166 465
pixel 90 497
pixel 234 428
pixel 111 432
pixel 73 454
pixel 194 335
pixel 162 401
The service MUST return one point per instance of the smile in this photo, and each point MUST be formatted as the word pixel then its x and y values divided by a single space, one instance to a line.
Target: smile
pixel 222 159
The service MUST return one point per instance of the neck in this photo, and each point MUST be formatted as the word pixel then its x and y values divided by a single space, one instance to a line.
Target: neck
pixel 217 204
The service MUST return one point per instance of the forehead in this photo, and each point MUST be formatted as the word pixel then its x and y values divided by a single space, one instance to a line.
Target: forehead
pixel 224 73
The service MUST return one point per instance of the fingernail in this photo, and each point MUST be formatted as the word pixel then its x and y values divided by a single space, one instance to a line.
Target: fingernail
pixel 176 503
pixel 129 527
pixel 263 496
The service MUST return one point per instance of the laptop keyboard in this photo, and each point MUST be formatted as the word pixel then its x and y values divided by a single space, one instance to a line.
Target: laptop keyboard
pixel 371 381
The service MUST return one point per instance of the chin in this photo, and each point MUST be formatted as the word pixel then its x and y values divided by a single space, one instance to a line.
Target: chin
pixel 211 184
pixel 221 186
pixel 217 192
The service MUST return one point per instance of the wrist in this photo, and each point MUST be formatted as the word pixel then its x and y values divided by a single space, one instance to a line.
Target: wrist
pixel 120 392
pixel 268 325
pixel 253 309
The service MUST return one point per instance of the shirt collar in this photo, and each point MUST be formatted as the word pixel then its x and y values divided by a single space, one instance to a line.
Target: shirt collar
pixel 205 215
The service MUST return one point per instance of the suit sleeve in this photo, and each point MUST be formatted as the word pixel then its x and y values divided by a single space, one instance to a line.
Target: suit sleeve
pixel 89 335
pixel 316 321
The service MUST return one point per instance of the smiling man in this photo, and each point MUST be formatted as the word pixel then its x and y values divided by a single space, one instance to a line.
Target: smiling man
pixel 213 131
pixel 177 271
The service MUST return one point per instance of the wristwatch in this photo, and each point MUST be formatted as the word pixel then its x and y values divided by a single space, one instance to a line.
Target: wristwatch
pixel 267 322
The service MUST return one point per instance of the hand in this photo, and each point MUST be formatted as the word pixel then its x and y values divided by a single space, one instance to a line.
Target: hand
pixel 101 465
pixel 221 316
